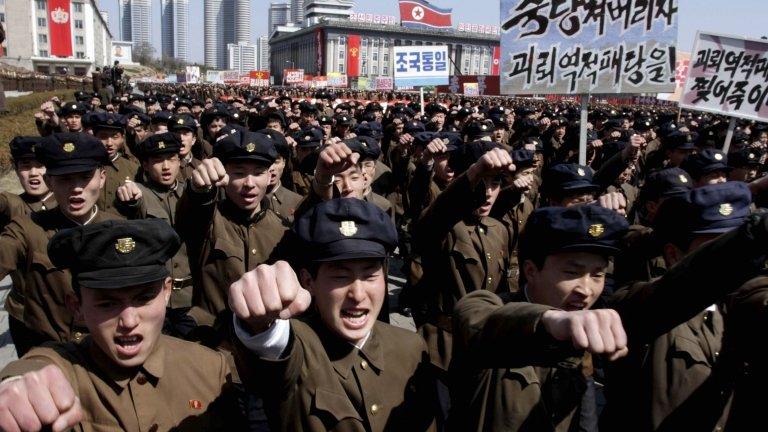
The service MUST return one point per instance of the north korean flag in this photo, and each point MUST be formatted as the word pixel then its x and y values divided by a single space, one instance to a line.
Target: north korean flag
pixel 421 14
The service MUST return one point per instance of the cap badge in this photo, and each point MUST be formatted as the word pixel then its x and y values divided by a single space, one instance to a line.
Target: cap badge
pixel 110 121
pixel 725 209
pixel 348 228
pixel 718 156
pixel 73 107
pixel 125 245
pixel 308 138
pixel 161 145
pixel 751 155
pixel 683 179
pixel 581 172
pixel 180 121
pixel 688 138
pixel 250 147
pixel 596 230
pixel 69 147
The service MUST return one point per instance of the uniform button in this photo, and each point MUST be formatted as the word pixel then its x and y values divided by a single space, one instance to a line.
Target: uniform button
pixel 175 265
pixel 364 364
pixel 490 280
pixel 374 409
pixel 141 380
pixel 488 256
pixel 78 336
pixel 482 231
pixel 717 354
pixel 253 251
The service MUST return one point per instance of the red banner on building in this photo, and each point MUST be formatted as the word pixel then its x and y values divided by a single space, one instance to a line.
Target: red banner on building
pixel 60 28
pixel 320 44
pixel 495 68
pixel 353 55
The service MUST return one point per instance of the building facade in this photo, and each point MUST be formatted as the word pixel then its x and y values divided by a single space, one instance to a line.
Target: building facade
pixel 136 21
pixel 242 57
pixel 470 54
pixel 315 10
pixel 262 51
pixel 279 15
pixel 242 16
pixel 224 22
pixel 28 40
pixel 297 12
pixel 174 25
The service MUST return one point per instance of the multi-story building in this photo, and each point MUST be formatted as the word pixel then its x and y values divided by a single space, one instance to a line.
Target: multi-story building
pixel 262 51
pixel 174 20
pixel 242 13
pixel 314 10
pixel 242 57
pixel 28 40
pixel 470 53
pixel 279 15
pixel 297 12
pixel 224 22
pixel 136 21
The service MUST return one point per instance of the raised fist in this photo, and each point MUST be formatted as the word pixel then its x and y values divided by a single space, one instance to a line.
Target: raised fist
pixel 335 158
pixel 598 331
pixel 129 192
pixel 267 293
pixel 494 162
pixel 209 174
pixel 39 399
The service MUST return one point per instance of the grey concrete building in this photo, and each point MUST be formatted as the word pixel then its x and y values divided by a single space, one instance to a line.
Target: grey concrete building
pixel 28 38
pixel 136 21
pixel 174 25
pixel 470 54
pixel 279 15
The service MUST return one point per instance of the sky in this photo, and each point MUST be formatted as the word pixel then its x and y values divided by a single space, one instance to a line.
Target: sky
pixel 734 17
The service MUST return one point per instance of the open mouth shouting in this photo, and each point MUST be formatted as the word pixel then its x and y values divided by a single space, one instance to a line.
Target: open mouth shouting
pixel 128 346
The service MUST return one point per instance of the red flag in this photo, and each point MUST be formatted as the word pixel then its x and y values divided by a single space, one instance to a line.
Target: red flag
pixel 496 67
pixel 421 14
pixel 353 55
pixel 59 27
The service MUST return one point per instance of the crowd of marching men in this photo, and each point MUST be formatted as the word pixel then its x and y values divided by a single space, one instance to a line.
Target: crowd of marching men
pixel 198 257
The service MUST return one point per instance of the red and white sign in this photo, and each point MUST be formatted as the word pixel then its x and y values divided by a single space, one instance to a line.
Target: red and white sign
pixel 495 66
pixel 385 83
pixel 259 78
pixel 60 28
pixel 294 76
pixel 230 76
pixel 372 18
pixel 478 28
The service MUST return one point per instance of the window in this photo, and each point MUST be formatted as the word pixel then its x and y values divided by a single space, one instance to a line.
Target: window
pixel 80 55
pixel 385 70
pixel 365 70
pixel 41 22
pixel 43 53
pixel 341 55
pixel 79 40
pixel 385 43
pixel 43 69
pixel 2 17
pixel 42 38
pixel 386 57
pixel 80 71
pixel 375 70
pixel 375 43
pixel 78 7
pixel 342 40
pixel 78 24
pixel 364 42
pixel 341 68
pixel 375 56
pixel 40 5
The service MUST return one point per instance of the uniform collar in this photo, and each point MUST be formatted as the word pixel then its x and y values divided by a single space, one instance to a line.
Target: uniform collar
pixel 274 194
pixel 238 215
pixel 36 204
pixel 344 355
pixel 153 367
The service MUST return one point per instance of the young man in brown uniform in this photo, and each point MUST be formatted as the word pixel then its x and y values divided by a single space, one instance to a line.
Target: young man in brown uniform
pixel 74 173
pixel 158 197
pixel 110 129
pixel 337 368
pixel 125 375
pixel 283 200
pixel 519 362
pixel 36 197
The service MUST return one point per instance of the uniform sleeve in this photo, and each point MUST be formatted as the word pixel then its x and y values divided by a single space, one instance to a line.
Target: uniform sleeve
pixel 702 278
pixel 13 248
pixel 269 344
pixel 490 334
pixel 194 214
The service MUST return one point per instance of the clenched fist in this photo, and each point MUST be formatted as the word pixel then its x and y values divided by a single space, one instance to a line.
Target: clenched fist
pixel 267 293
pixel 492 163
pixel 129 192
pixel 335 158
pixel 39 399
pixel 598 331
pixel 208 174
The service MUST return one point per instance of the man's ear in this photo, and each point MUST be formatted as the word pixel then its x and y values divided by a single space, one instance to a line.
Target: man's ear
pixel 167 288
pixel 530 270
pixel 73 303
pixel 307 282
pixel 672 254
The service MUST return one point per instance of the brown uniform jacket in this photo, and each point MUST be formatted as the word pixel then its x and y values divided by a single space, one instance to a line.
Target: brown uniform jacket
pixel 284 202
pixel 181 386
pixel 117 171
pixel 323 383
pixel 188 166
pixel 24 246
pixel 505 365
pixel 11 206
pixel 460 254
pixel 382 203
pixel 161 204
pixel 224 243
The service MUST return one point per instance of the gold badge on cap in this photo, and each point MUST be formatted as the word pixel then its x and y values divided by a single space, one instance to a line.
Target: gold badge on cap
pixel 718 156
pixel 250 147
pixel 348 228
pixel 725 209
pixel 751 155
pixel 683 179
pixel 74 107
pixel 125 245
pixel 68 147
pixel 161 145
pixel 596 230
pixel 180 121
pixel 581 172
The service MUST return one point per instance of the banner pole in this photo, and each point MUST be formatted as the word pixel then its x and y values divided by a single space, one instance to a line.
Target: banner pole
pixel 729 136
pixel 421 94
pixel 583 131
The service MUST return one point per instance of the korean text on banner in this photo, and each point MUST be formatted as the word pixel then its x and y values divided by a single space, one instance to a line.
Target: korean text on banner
pixel 294 76
pixel 385 83
pixel 421 66
pixel 259 78
pixel 580 47
pixel 728 75
pixel 59 25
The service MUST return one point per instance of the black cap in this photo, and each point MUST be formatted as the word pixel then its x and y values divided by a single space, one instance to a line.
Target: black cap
pixel 245 145
pixel 343 120
pixel 463 156
pixel 105 120
pixel 136 97
pixel 183 102
pixel 705 162
pixel 346 228
pixel 413 127
pixel 164 143
pixel 325 120
pixel 310 137
pixel 744 157
pixel 181 122
pixel 82 96
pixel 308 107
pixel 478 129
pixel 667 183
pixel 711 209
pixel 434 108
pixel 679 140
pixel 131 114
pixel 523 158
pixel 162 117
pixel 367 147
pixel 568 178
pixel 422 139
pixel 278 140
pixel 217 111
pixel 67 153
pixel 580 228
pixel 115 254
pixel 643 124
pixel 23 147
pixel 370 129
pixel 70 108
pixel 374 106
